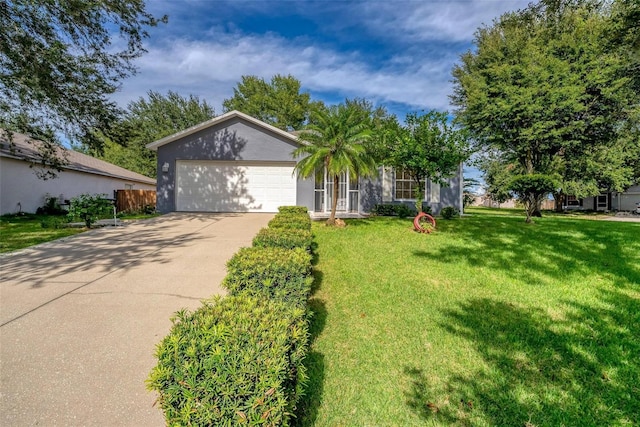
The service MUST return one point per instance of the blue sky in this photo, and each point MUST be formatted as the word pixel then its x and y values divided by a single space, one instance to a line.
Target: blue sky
pixel 394 53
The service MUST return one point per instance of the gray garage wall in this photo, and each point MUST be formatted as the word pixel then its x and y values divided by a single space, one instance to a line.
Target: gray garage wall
pixel 234 139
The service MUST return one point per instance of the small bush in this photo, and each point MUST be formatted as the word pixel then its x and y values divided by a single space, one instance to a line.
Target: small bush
pixel 54 222
pixel 51 206
pixel 449 212
pixel 293 209
pixel 283 238
pixel 273 272
pixel 291 221
pixel 89 208
pixel 236 360
pixel 384 210
pixel 397 209
pixel 404 211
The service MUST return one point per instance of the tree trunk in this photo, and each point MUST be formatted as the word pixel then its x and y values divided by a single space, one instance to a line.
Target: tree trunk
pixel 559 201
pixel 419 193
pixel 530 206
pixel 334 201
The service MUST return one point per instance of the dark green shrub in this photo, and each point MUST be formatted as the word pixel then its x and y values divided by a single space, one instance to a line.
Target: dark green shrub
pixel 404 211
pixel 283 238
pixel 449 212
pixel 234 361
pixel 291 221
pixel 397 209
pixel 293 209
pixel 51 206
pixel 274 272
pixel 384 210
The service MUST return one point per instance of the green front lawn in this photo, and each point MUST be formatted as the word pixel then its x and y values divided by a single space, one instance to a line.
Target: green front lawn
pixel 487 322
pixel 21 231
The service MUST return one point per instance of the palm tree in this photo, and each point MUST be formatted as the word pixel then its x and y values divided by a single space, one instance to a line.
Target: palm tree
pixel 335 140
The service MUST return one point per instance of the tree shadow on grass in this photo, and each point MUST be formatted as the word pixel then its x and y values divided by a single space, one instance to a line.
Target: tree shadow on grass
pixel 580 366
pixel 541 253
pixel 308 405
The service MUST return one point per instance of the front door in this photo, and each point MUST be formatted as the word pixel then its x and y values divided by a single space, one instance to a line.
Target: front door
pixel 348 193
pixel 602 202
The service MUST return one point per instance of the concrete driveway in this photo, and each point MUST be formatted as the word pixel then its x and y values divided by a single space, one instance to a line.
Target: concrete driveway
pixel 80 317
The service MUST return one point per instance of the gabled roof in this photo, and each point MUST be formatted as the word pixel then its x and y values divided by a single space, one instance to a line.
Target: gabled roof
pixel 22 147
pixel 217 120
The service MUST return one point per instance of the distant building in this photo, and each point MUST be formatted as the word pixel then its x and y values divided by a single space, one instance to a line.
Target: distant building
pixel 21 190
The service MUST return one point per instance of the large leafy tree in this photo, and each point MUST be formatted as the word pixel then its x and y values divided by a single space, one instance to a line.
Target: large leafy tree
pixel 147 120
pixel 60 62
pixel 336 140
pixel 624 34
pixel 279 102
pixel 544 92
pixel 428 146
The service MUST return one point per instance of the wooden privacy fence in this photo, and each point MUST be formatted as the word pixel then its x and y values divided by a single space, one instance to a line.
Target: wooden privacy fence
pixel 135 200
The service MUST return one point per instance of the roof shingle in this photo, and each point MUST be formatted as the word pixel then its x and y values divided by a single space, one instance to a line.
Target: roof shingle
pixel 25 148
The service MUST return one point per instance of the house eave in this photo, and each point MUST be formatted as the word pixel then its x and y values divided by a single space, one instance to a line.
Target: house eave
pixel 36 162
pixel 217 120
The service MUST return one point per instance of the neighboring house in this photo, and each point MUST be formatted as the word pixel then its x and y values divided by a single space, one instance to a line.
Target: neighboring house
pixel 236 163
pixel 21 190
pixel 487 201
pixel 609 201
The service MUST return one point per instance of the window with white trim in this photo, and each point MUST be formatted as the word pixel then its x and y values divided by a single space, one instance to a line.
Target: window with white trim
pixel 404 185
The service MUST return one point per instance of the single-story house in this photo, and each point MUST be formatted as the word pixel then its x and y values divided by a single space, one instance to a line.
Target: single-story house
pixel 607 201
pixel 236 163
pixel 21 190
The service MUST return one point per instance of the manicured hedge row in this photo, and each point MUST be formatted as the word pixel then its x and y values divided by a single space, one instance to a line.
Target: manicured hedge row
pixel 283 238
pixel 293 209
pixel 296 221
pixel 236 360
pixel 270 272
pixel 239 360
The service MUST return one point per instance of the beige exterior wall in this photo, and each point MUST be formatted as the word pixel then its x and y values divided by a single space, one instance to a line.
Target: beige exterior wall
pixel 22 190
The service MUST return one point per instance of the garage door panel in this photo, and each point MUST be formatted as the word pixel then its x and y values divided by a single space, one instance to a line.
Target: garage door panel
pixel 228 187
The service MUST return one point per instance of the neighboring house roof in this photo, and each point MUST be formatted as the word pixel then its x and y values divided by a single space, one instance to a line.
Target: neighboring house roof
pixel 217 120
pixel 22 147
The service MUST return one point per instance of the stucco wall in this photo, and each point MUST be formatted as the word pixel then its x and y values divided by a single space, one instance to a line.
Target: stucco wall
pixel 22 190
pixel 371 193
pixel 233 139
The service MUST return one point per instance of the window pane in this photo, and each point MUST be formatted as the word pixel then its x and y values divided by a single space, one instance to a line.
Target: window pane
pixel 319 179
pixel 435 192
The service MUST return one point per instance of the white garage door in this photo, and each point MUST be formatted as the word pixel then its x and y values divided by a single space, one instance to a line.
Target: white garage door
pixel 207 186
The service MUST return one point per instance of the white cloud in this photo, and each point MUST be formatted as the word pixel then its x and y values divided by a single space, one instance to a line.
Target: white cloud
pixel 434 20
pixel 210 55
pixel 211 69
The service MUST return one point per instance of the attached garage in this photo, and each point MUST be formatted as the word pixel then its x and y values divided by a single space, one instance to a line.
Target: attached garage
pixel 225 186
pixel 231 163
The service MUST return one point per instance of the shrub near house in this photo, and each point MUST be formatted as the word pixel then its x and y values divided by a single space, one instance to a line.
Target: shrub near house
pixel 238 360
pixel 89 208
